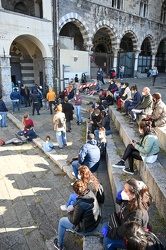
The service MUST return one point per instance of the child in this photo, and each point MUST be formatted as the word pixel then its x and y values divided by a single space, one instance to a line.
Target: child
pixel 47 145
pixel 70 203
pixel 29 133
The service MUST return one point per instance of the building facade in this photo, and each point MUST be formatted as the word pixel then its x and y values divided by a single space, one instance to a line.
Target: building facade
pixel 117 32
pixel 37 39
pixel 26 44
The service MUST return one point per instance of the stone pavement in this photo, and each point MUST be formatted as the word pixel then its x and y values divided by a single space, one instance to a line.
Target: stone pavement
pixel 32 187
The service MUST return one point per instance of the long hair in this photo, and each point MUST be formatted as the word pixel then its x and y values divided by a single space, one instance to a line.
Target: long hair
pixel 25 116
pixel 79 187
pixel 146 126
pixel 141 198
pixel 87 176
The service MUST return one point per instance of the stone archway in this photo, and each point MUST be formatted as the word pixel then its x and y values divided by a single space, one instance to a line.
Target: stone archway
pixel 126 56
pixel 160 60
pixel 79 22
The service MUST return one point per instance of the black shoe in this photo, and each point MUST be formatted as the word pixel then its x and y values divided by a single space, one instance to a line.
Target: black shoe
pixel 120 164
pixel 128 171
pixel 38 114
pixel 65 145
pixel 56 245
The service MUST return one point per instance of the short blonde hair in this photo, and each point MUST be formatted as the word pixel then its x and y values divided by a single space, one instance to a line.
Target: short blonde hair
pixel 59 107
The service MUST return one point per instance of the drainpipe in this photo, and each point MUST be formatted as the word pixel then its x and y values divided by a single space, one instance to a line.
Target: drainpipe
pixel 56 44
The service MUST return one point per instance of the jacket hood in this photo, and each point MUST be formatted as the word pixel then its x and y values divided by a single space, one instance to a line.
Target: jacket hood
pixel 92 142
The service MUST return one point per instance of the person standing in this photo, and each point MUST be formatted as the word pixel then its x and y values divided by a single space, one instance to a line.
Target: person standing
pixel 22 93
pixel 26 96
pixel 3 110
pixel 68 109
pixel 60 127
pixel 154 74
pixel 51 99
pixel 15 97
pixel 99 80
pixel 35 101
pixel 121 72
pixel 77 106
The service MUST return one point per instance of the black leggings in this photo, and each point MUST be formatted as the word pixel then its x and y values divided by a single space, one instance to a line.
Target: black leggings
pixel 131 153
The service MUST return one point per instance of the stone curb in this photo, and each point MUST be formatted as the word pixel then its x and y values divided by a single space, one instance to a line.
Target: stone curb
pixel 154 175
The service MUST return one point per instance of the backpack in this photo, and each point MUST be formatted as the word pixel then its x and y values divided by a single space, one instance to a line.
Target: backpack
pixel 113 74
pixel 18 142
pixel 154 243
pixel 100 194
pixel 60 122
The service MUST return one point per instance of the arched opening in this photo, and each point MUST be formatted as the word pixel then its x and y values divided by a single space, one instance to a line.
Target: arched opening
pixel 20 7
pixel 160 61
pixel 71 37
pixel 26 62
pixel 145 58
pixel 102 56
pixel 126 54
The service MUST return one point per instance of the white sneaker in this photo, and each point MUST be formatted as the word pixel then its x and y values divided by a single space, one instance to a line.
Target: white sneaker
pixel 63 207
pixel 79 177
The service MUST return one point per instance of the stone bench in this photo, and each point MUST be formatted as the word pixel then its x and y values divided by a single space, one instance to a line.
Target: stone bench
pixel 154 175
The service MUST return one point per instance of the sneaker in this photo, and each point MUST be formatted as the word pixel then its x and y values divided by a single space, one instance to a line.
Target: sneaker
pixel 128 171
pixel 79 177
pixel 120 164
pixel 63 207
pixel 56 245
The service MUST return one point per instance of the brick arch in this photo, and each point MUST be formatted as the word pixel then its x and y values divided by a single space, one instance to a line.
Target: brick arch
pixel 78 21
pixel 111 31
pixel 133 37
pixel 153 43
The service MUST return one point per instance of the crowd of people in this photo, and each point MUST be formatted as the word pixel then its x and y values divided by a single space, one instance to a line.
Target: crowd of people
pixel 83 205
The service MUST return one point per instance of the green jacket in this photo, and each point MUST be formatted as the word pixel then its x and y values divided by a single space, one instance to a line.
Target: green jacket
pixel 145 104
pixel 149 146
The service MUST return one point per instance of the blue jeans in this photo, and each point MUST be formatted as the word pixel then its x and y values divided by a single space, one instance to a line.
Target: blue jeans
pixel 72 199
pixel 96 132
pixel 76 165
pixel 128 106
pixel 98 86
pixel 61 138
pixel 112 244
pixel 16 104
pixel 78 113
pixel 3 120
pixel 64 224
pixel 121 75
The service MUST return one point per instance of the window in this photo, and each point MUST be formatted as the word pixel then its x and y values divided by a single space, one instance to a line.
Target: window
pixel 118 4
pixel 20 7
pixel 143 8
pixel 163 12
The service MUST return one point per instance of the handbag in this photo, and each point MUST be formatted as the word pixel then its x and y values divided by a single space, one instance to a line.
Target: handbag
pixel 100 194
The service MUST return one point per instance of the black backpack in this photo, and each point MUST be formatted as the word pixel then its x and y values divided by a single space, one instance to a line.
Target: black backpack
pixel 154 243
pixel 100 194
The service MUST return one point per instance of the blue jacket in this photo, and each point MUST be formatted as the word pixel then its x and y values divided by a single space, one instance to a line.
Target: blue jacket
pixel 137 98
pixel 48 146
pixel 30 134
pixel 89 154
pixel 15 95
pixel 3 106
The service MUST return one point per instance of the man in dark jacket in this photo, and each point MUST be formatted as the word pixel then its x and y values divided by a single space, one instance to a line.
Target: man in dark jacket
pixel 15 97
pixel 89 155
pixel 35 101
pixel 67 109
pixel 3 110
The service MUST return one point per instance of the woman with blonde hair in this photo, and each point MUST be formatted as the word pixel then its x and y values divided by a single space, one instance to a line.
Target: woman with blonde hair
pixel 89 179
pixel 60 127
pixel 26 121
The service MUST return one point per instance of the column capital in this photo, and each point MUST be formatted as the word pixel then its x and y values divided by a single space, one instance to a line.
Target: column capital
pixel 88 46
pixel 115 51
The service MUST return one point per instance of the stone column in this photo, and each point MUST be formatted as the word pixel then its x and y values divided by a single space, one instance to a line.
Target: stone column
pixel 153 59
pixel 5 78
pixel 1 4
pixel 115 51
pixel 47 9
pixel 137 52
pixel 88 48
pixel 48 72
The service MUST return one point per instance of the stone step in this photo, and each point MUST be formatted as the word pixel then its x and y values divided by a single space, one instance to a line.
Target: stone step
pixel 154 175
